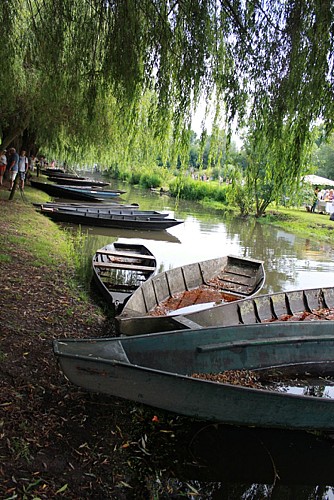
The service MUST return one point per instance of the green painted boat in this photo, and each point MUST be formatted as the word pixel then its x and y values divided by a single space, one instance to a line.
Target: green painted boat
pixel 294 305
pixel 200 286
pixel 161 370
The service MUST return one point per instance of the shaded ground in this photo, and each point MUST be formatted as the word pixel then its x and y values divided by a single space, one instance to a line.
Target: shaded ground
pixel 56 440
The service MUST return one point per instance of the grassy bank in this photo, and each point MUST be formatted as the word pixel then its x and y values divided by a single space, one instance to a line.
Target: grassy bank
pixel 302 223
pixel 298 221
pixel 56 440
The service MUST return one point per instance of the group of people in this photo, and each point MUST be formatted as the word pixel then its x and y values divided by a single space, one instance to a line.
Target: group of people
pixel 13 164
pixel 321 195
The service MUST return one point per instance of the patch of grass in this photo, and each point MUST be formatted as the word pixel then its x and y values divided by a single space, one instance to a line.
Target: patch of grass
pixel 302 223
pixel 21 449
pixel 34 234
pixel 5 258
pixel 309 225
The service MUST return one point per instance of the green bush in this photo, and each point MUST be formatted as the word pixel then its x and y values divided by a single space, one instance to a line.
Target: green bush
pixel 190 189
pixel 150 179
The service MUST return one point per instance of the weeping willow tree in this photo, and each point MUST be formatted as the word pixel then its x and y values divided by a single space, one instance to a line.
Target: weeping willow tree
pixel 78 71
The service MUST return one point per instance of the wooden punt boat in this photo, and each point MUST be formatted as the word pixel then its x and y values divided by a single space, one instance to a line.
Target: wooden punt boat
pixel 52 171
pixel 179 372
pixel 82 205
pixel 76 181
pixel 92 191
pixel 119 269
pixel 133 222
pixel 201 285
pixel 312 304
pixel 63 174
pixel 61 192
pixel 115 210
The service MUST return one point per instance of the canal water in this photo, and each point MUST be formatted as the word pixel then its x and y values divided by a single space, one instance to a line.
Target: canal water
pixel 217 461
pixel 290 262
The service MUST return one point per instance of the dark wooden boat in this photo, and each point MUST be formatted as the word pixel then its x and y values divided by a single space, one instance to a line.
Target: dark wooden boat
pixel 201 285
pixel 62 174
pixel 92 191
pixel 90 205
pixel 312 304
pixel 179 372
pixel 52 171
pixel 110 220
pixel 76 181
pixel 114 210
pixel 62 192
pixel 119 269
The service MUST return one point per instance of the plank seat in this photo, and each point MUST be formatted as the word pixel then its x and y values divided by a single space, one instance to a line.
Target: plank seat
pixel 117 265
pixel 118 253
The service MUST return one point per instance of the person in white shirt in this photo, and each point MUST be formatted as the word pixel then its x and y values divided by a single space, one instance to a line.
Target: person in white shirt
pixel 23 167
pixel 3 164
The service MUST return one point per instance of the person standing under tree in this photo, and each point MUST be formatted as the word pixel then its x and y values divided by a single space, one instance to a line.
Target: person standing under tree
pixel 3 164
pixel 23 167
pixel 13 166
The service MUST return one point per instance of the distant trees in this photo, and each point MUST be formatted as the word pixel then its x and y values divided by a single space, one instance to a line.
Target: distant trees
pixel 323 158
pixel 79 74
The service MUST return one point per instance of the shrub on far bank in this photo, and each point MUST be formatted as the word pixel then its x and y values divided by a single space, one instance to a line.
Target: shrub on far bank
pixel 190 189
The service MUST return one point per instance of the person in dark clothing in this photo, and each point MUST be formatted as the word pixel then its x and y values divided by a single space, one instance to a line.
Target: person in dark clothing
pixel 315 199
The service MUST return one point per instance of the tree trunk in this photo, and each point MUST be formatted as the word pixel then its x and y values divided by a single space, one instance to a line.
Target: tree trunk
pixel 11 196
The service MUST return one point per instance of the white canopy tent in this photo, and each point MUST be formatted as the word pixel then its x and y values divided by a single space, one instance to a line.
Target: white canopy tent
pixel 319 181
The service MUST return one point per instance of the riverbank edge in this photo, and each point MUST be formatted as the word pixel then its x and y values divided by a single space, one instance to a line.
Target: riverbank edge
pixel 59 442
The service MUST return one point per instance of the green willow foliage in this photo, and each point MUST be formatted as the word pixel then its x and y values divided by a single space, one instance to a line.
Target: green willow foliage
pixel 81 69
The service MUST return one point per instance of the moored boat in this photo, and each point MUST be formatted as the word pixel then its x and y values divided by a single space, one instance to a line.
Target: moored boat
pixel 119 269
pixel 77 181
pixel 93 191
pixel 59 175
pixel 313 304
pixel 91 204
pixel 62 192
pixel 209 374
pixel 107 209
pixel 132 221
pixel 52 171
pixel 200 286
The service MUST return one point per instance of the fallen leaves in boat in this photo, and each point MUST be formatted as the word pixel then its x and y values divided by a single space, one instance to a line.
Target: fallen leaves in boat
pixel 273 380
pixel 315 315
pixel 246 378
pixel 201 295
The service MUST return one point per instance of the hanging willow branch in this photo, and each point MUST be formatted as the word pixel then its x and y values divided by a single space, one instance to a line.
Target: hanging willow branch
pixel 271 61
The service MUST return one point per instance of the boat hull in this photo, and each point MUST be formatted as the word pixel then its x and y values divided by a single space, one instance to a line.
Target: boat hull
pixel 109 220
pixel 107 210
pixel 238 277
pixel 99 193
pixel 158 370
pixel 293 305
pixel 119 268
pixel 57 191
pixel 78 181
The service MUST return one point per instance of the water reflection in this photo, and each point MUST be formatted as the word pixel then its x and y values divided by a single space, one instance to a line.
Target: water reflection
pixel 262 463
pixel 290 262
pixel 113 234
